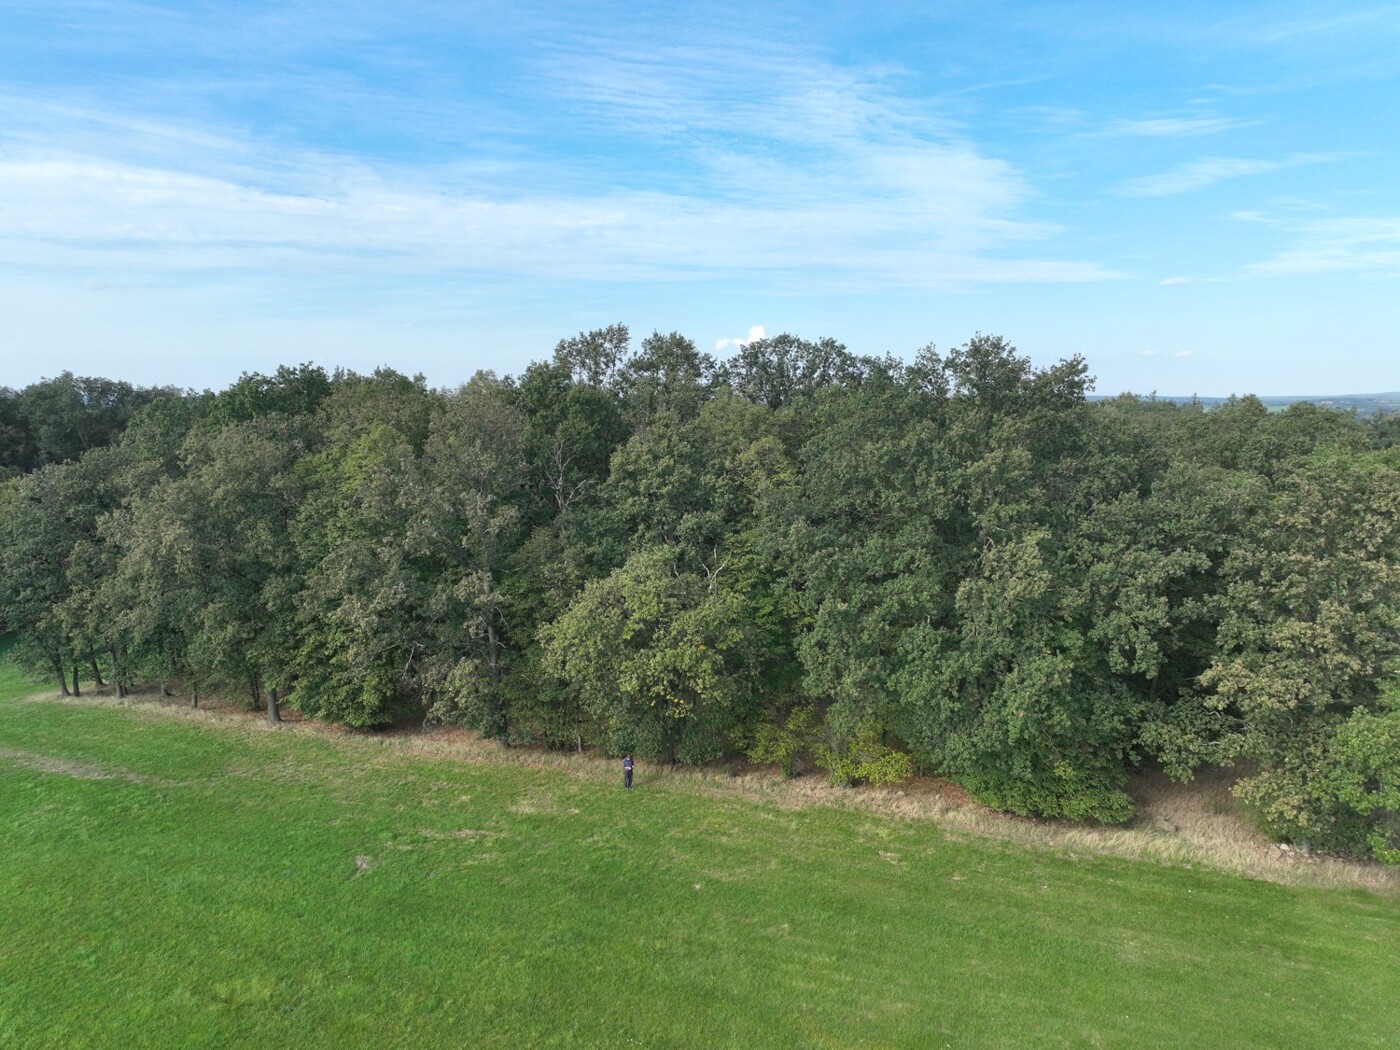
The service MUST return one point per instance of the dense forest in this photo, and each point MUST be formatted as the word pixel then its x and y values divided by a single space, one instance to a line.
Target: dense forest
pixel 958 565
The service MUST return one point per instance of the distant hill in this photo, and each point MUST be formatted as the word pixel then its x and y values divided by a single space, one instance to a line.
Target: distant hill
pixel 1362 404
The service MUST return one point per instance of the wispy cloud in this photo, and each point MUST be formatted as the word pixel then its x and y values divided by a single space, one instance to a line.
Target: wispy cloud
pixel 1353 244
pixel 1206 172
pixel 1377 20
pixel 1173 127
pixel 340 214
pixel 799 170
pixel 776 125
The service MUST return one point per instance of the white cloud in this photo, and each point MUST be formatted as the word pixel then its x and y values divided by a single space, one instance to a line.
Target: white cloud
pixel 756 332
pixel 1184 353
pixel 1147 353
pixel 1210 170
pixel 1171 282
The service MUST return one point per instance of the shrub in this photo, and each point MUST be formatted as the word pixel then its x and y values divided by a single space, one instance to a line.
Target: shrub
pixel 782 742
pixel 865 759
pixel 1351 801
pixel 1058 790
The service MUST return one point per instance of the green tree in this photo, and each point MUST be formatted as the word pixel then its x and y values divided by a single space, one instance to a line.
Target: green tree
pixel 362 619
pixel 571 431
pixel 57 420
pixel 289 392
pixel 1355 794
pixel 53 564
pixel 1310 620
pixel 223 549
pixel 777 371
pixel 467 523
pixel 360 609
pixel 592 358
pixel 663 658
pixel 35 544
pixel 668 375
pixel 16 442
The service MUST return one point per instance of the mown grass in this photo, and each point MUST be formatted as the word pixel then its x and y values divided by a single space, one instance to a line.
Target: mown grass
pixel 13 681
pixel 186 881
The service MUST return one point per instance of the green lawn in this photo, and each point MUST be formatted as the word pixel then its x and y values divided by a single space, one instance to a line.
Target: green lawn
pixel 180 881
pixel 12 681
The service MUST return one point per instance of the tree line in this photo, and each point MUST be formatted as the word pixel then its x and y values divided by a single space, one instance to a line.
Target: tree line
pixel 958 564
pixel 59 419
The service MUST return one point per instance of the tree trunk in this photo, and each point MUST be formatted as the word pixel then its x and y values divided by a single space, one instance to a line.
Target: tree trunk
pixel 494 655
pixel 116 674
pixel 273 714
pixel 163 690
pixel 96 672
pixel 76 690
pixel 194 696
pixel 62 677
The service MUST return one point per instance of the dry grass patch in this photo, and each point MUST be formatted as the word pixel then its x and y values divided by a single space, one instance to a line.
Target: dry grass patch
pixel 67 767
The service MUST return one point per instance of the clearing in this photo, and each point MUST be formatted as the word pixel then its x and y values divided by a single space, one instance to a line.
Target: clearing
pixel 176 878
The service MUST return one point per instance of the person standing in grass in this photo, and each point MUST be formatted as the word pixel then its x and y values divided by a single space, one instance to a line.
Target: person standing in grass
pixel 627 772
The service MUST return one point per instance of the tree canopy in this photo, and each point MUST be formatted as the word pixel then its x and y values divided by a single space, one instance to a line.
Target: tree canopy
pixel 960 565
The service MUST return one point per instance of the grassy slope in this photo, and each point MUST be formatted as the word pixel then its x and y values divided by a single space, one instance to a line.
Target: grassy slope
pixel 13 682
pixel 179 882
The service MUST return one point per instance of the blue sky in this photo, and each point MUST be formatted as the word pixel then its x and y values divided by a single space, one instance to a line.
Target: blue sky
pixel 1197 197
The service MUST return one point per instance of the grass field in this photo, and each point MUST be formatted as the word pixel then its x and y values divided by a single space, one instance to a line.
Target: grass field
pixel 177 879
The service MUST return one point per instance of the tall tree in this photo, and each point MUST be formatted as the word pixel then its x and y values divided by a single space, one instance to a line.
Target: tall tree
pixel 53 560
pixel 361 612
pixel 779 370
pixel 593 358
pixel 664 659
pixel 669 375
pixel 224 549
pixel 469 521
pixel 1311 619
pixel 61 418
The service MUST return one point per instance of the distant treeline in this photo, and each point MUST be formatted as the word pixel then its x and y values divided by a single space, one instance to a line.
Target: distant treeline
pixel 1361 404
pixel 958 565
pixel 56 420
